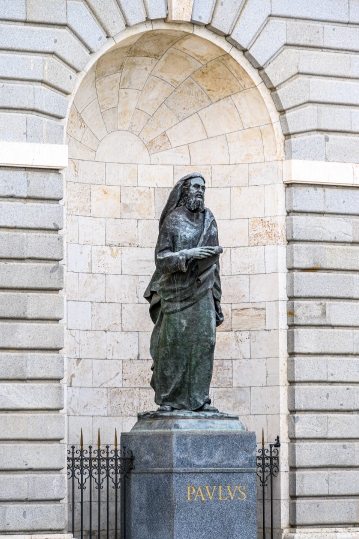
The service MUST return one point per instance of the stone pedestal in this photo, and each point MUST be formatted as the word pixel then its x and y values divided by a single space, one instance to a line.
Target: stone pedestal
pixel 194 477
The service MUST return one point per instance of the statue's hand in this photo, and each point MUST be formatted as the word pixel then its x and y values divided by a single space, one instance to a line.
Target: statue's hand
pixel 202 252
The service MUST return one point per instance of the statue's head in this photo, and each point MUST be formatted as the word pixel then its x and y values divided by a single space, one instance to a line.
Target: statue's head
pixel 192 195
pixel 189 192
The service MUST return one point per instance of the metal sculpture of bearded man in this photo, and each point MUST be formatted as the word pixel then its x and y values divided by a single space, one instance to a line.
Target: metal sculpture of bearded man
pixel 184 296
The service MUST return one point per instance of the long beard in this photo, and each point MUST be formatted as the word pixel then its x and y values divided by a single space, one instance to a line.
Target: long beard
pixel 194 204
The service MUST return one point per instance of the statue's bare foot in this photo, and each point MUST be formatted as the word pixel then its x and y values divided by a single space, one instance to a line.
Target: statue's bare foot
pixel 207 408
pixel 165 408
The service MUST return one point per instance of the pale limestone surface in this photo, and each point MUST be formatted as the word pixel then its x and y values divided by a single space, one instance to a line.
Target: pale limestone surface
pixel 144 116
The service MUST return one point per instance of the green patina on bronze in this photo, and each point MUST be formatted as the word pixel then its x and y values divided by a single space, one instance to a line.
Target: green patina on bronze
pixel 184 295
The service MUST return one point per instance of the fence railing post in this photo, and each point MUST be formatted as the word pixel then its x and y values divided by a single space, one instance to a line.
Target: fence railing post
pixel 268 467
pixel 97 466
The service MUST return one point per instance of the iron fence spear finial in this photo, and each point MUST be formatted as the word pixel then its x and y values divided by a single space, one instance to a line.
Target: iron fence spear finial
pixel 262 438
pixel 98 439
pixel 115 438
pixel 81 441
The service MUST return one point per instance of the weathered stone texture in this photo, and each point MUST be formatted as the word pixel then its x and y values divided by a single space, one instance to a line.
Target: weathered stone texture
pixel 323 229
pixel 323 369
pixel 15 11
pixel 133 11
pixel 37 216
pixel 28 366
pixel 323 257
pixel 28 426
pixel 46 11
pixel 314 284
pixel 156 9
pixel 31 306
pixel 202 11
pixel 33 487
pixel 35 275
pixel 32 517
pixel 252 17
pixel 225 15
pixel 22 183
pixel 32 336
pixel 84 25
pixel 32 456
pixel 109 15
pixel 41 246
pixel 326 426
pixel 328 513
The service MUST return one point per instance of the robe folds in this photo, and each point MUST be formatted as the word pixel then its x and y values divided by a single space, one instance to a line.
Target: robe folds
pixel 185 308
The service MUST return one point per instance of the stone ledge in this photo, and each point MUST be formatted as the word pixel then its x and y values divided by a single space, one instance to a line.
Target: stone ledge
pixel 320 172
pixel 33 155
pixel 42 536
pixel 323 533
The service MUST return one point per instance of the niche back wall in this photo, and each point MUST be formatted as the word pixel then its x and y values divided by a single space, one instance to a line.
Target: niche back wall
pixel 150 111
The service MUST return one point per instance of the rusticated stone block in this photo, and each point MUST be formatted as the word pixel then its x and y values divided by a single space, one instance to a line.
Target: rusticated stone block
pixel 13 275
pixel 316 284
pixel 317 228
pixel 32 457
pixel 322 341
pixel 31 517
pixel 325 426
pixel 323 454
pixel 38 216
pixel 31 306
pixel 32 426
pixel 323 513
pixel 323 398
pixel 202 11
pixel 33 487
pixel 32 336
pixel 31 396
pixel 27 366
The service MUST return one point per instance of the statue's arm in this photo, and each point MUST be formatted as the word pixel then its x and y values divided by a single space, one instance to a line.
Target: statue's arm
pixel 170 262
pixel 167 260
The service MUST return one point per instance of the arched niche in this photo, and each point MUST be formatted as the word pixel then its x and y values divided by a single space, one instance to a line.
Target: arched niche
pixel 157 106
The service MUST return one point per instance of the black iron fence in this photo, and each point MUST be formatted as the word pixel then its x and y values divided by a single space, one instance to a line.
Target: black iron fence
pixel 267 469
pixel 98 489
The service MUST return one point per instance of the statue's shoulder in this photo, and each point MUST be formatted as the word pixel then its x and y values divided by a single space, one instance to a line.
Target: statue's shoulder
pixel 173 217
pixel 209 214
pixel 209 217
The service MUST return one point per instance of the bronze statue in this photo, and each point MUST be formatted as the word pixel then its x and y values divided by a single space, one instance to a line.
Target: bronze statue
pixel 184 296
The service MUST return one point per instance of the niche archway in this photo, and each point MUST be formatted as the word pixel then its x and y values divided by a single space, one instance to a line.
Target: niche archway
pixel 154 108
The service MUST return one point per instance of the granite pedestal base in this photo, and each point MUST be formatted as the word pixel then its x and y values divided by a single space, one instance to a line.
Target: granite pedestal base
pixel 194 478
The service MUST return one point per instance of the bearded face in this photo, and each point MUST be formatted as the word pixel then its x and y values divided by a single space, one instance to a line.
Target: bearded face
pixel 195 202
pixel 193 195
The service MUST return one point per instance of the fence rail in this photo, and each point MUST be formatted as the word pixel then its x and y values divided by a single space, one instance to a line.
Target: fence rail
pixel 94 471
pixel 267 469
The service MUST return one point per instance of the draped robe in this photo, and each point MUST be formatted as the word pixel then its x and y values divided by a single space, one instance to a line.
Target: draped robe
pixel 185 308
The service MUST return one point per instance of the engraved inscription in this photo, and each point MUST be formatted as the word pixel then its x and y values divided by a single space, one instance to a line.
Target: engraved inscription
pixel 216 492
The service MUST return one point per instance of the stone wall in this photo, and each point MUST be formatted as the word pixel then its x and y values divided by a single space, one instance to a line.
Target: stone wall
pixel 322 256
pixel 32 449
pixel 306 54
